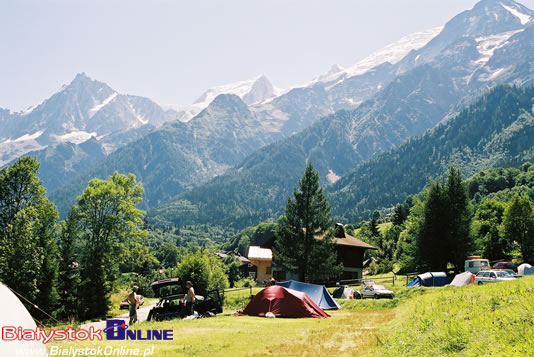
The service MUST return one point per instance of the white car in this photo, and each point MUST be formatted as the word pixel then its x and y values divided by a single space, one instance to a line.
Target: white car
pixel 493 276
pixel 374 291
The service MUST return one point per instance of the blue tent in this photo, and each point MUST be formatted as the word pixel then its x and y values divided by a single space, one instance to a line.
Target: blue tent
pixel 429 279
pixel 317 293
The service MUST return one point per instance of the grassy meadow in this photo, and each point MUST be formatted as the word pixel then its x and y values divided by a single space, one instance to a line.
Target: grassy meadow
pixel 489 320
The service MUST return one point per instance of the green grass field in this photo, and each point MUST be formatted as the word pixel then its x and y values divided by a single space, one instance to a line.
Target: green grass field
pixel 490 320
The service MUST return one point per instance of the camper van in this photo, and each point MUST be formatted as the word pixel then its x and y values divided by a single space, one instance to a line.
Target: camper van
pixel 475 263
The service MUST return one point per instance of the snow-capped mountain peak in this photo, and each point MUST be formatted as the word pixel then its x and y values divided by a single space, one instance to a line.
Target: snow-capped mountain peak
pixel 392 53
pixel 251 91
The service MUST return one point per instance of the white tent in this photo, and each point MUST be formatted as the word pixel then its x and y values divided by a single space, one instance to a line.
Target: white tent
pixel 348 293
pixel 463 279
pixel 343 292
pixel 525 269
pixel 13 313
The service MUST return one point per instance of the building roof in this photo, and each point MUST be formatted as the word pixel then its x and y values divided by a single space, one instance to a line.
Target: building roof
pixel 342 238
pixel 351 241
pixel 259 253
pixel 223 254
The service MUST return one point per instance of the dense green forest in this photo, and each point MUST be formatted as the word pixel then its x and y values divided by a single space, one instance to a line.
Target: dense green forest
pixel 495 219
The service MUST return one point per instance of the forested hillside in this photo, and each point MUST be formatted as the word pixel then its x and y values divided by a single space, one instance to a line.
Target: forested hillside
pixel 498 130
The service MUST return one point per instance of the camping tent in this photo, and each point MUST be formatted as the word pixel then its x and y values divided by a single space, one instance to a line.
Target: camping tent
pixel 317 293
pixel 429 279
pixel 463 279
pixel 343 292
pixel 13 313
pixel 525 269
pixel 283 302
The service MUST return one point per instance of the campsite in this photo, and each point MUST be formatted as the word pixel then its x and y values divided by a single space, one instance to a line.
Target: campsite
pixel 267 178
pixel 367 327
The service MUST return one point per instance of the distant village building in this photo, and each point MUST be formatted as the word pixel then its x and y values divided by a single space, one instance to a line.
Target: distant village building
pixel 262 260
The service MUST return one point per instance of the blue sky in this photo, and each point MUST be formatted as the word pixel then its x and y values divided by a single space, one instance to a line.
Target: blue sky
pixel 172 50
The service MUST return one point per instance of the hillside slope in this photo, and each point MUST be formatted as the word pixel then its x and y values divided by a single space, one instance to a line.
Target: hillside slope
pixel 464 321
pixel 496 131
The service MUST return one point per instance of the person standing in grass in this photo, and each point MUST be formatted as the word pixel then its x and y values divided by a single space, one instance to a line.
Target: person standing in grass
pixel 189 299
pixel 133 303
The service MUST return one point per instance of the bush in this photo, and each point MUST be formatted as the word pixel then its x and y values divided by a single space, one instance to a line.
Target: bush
pixel 204 270
pixel 245 283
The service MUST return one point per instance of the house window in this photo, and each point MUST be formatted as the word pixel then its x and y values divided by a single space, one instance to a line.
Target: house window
pixel 252 275
pixel 268 270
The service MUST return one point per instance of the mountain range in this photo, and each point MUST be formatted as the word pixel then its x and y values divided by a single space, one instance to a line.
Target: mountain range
pixel 233 156
pixel 488 45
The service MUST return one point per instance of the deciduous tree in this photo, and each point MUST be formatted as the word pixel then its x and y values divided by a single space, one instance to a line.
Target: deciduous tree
pixel 518 225
pixel 27 220
pixel 109 221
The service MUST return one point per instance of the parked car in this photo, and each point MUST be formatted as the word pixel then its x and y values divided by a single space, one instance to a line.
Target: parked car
pixel 171 293
pixel 125 304
pixel 513 273
pixel 475 263
pixel 505 266
pixel 374 291
pixel 492 276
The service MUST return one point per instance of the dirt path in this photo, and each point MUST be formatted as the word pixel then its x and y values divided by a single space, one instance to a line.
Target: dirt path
pixel 142 314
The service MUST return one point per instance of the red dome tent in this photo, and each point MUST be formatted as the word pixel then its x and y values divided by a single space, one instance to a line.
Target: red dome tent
pixel 283 302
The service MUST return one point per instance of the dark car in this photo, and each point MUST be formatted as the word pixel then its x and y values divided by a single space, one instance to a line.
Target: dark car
pixel 505 266
pixel 171 293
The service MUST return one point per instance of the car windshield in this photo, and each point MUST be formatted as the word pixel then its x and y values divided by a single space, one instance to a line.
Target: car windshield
pixel 171 290
pixel 503 274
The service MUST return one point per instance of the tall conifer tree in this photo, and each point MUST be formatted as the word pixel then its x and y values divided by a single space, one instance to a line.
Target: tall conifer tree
pixel 307 217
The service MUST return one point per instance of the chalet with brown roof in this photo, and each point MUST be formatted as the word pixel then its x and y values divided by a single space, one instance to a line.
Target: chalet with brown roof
pixel 350 252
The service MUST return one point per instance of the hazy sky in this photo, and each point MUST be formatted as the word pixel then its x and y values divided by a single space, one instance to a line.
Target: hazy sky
pixel 172 50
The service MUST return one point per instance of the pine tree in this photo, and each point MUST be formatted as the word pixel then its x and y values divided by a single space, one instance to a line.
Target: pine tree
pixel 445 234
pixel 373 224
pixel 459 216
pixel 400 214
pixel 307 217
pixel 432 240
